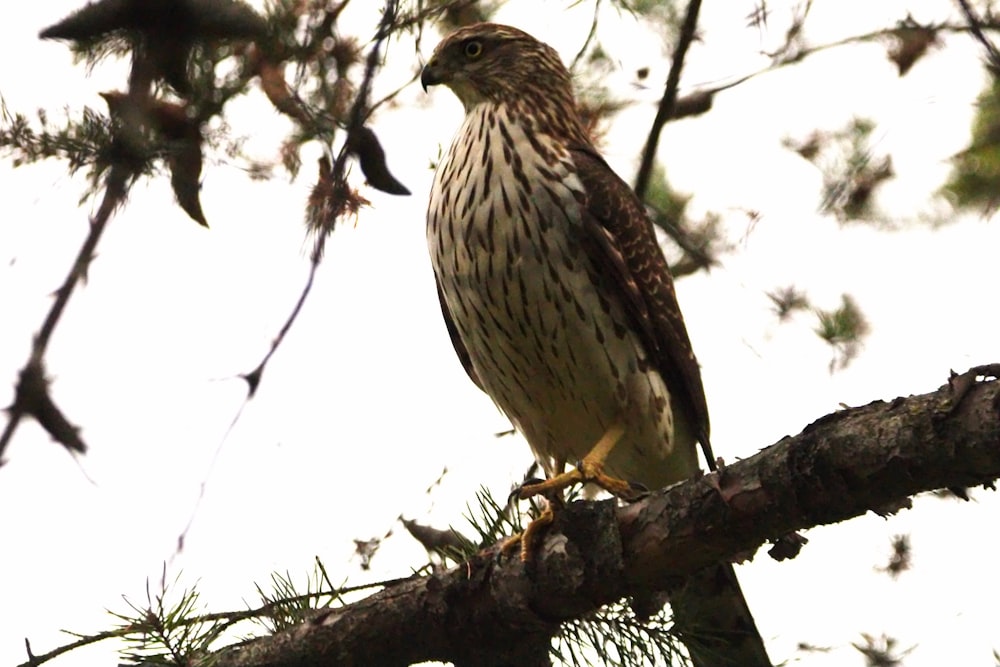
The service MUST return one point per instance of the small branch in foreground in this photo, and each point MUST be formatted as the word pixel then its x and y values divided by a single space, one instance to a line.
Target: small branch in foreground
pixel 32 397
pixel 975 26
pixel 356 118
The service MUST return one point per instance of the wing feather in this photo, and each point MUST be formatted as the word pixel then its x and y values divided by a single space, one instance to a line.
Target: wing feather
pixel 456 338
pixel 620 234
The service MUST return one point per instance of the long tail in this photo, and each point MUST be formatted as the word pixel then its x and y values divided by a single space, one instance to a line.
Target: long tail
pixel 712 618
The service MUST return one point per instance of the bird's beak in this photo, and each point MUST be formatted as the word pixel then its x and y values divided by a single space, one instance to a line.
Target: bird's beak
pixel 431 74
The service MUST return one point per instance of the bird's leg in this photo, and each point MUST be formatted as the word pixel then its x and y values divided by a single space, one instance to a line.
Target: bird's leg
pixel 529 535
pixel 589 470
pixel 527 538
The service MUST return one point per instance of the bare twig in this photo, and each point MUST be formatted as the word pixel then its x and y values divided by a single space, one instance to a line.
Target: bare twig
pixel 975 26
pixel 700 101
pixel 590 37
pixel 669 99
pixel 358 114
pixel 32 395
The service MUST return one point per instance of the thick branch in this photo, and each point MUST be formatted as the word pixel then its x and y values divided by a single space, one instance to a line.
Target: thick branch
pixel 492 612
pixel 870 458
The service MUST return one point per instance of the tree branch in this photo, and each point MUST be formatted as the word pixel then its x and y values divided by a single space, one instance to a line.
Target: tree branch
pixel 492 611
pixel 975 26
pixel 669 99
pixel 356 117
pixel 32 396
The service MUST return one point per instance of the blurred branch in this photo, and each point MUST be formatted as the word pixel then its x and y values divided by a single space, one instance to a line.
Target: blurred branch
pixel 976 27
pixel 591 34
pixel 334 179
pixel 32 396
pixel 669 99
pixel 700 101
pixel 161 48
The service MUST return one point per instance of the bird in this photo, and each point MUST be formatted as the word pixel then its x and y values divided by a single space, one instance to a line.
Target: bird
pixel 560 304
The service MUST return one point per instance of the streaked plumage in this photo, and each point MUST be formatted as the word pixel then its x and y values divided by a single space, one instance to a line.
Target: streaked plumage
pixel 557 298
pixel 561 304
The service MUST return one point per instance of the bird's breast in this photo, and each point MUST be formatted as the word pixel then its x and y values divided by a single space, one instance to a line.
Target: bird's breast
pixel 543 328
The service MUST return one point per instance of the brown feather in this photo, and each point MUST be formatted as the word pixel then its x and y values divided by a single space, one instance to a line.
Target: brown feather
pixel 456 338
pixel 559 295
pixel 621 233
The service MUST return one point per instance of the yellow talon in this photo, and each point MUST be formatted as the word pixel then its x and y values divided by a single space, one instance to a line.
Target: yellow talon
pixel 529 535
pixel 589 471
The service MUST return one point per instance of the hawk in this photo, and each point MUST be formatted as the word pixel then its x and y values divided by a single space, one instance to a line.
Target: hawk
pixel 560 303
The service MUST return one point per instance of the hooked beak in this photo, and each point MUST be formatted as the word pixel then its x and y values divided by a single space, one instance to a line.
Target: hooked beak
pixel 431 74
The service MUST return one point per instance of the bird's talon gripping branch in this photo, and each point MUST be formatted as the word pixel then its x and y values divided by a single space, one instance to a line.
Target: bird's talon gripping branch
pixel 551 485
pixel 508 546
pixel 529 536
pixel 590 471
pixel 533 530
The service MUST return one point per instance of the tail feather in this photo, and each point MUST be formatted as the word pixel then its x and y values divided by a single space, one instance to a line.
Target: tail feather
pixel 711 618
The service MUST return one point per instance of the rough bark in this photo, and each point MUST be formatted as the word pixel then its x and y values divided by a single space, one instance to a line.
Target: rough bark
pixel 493 611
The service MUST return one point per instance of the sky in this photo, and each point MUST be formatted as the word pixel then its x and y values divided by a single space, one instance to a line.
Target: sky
pixel 365 403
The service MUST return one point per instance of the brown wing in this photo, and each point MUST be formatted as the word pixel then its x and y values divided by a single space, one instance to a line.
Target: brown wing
pixel 620 233
pixel 456 340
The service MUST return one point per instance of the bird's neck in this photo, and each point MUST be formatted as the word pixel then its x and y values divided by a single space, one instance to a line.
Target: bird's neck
pixel 539 120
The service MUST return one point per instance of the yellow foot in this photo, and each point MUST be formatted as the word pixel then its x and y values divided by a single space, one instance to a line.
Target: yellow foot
pixel 589 470
pixel 530 535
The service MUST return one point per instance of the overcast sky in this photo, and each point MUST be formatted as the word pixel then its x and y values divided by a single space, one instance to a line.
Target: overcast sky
pixel 365 404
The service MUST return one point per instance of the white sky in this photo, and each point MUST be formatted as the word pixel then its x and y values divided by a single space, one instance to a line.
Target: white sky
pixel 365 403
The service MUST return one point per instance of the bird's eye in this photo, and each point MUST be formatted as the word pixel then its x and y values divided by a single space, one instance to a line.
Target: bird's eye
pixel 473 48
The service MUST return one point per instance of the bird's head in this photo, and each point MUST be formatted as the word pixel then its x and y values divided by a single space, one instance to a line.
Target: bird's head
pixel 489 62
